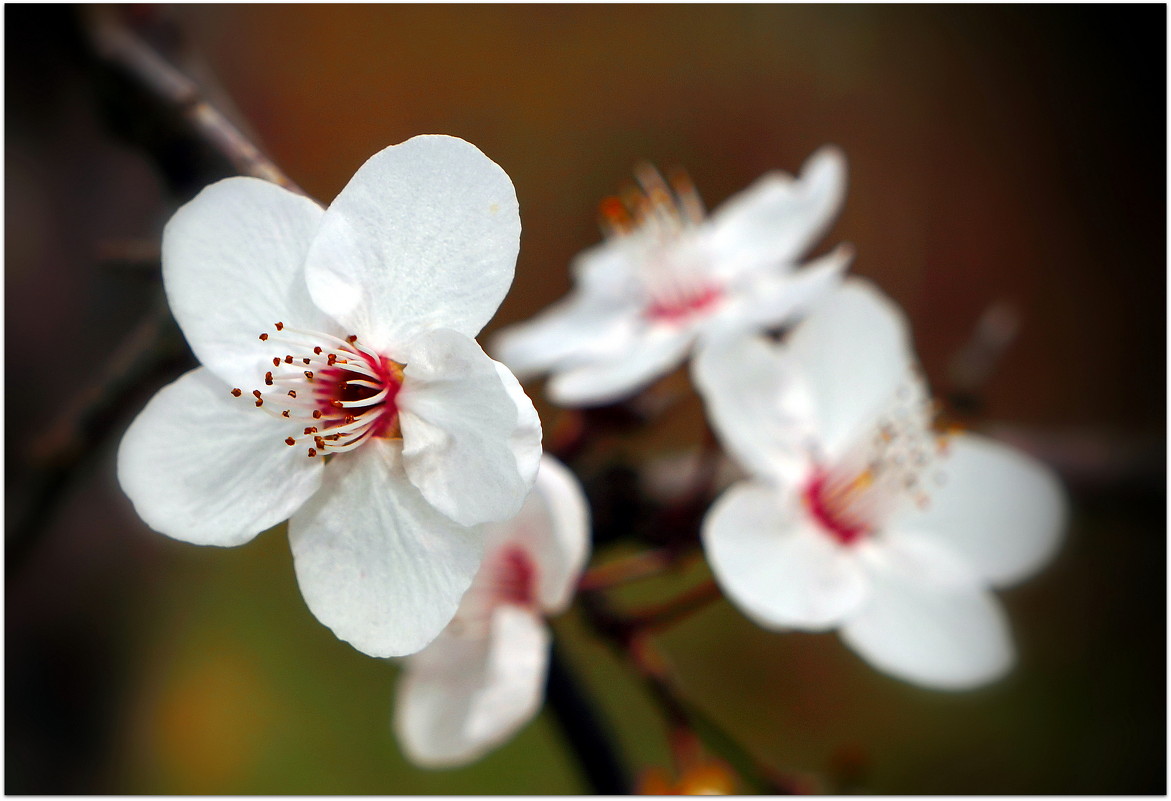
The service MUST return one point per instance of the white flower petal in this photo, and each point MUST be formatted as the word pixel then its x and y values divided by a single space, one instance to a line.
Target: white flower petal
pixel 233 265
pixel 580 328
pixel 774 565
pixel 471 438
pixel 1003 510
pixel 425 235
pixel 462 696
pixel 376 563
pixel 925 623
pixel 554 529
pixel 854 350
pixel 777 218
pixel 768 299
pixel 619 375
pixel 758 404
pixel 204 467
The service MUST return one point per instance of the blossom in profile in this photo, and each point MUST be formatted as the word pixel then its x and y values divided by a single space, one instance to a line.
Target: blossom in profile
pixel 484 676
pixel 857 515
pixel 341 388
pixel 667 275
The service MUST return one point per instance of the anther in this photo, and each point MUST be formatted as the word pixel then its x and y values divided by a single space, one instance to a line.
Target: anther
pixel 259 402
pixel 309 373
pixel 316 414
pixel 286 413
pixel 280 326
pixel 307 361
pixel 352 338
pixel 320 442
pixel 264 337
pixel 317 350
pixel 292 393
pixel 290 441
pixel 268 378
pixel 311 430
pixel 332 359
pixel 288 360
pixel 276 361
pixel 256 392
pixel 312 452
pixel 237 392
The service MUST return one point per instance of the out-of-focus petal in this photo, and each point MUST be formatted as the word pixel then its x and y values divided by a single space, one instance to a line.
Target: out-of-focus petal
pixel 554 528
pixel 471 438
pixel 204 467
pixel 775 566
pixel 777 218
pixel 758 403
pixel 462 696
pixel 1002 509
pixel 375 561
pixel 577 329
pixel 425 235
pixel 233 265
pixel 854 349
pixel 929 621
pixel 773 298
pixel 621 374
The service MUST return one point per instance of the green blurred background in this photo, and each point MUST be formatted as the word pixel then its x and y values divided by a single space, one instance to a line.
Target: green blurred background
pixel 996 153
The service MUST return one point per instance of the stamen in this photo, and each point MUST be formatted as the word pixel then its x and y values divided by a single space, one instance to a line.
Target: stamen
pixel 237 392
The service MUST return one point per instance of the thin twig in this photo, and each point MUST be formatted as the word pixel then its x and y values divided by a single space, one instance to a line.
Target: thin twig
pixel 149 351
pixel 629 568
pixel 115 42
pixel 587 737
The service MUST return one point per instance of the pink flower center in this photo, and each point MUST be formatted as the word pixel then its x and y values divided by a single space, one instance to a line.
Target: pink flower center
pixel 662 217
pixel 336 394
pixel 835 507
pixel 515 576
pixel 677 307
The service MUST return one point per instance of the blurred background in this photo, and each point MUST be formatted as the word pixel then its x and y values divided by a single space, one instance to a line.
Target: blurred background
pixel 997 154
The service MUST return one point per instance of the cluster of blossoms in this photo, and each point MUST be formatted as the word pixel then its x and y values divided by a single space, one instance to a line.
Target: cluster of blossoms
pixel 342 390
pixel 855 513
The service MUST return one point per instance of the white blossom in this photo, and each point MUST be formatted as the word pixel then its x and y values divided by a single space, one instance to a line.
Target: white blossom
pixel 341 387
pixel 484 676
pixel 667 276
pixel 857 515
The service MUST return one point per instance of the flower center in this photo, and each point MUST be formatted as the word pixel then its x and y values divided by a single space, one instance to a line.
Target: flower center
pixel 515 577
pixel 335 393
pixel 852 498
pixel 663 216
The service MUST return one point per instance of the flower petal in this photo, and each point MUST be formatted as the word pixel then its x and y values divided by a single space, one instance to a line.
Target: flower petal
pixel 1003 510
pixel 775 565
pixel 471 438
pixel 768 299
pixel 204 467
pixel 462 696
pixel 854 350
pixel 582 327
pixel 425 235
pixel 376 563
pixel 926 623
pixel 653 353
pixel 233 265
pixel 758 404
pixel 777 218
pixel 554 529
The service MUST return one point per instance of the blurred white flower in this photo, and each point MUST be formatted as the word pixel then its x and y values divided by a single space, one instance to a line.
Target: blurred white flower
pixel 666 276
pixel 372 364
pixel 857 515
pixel 484 676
